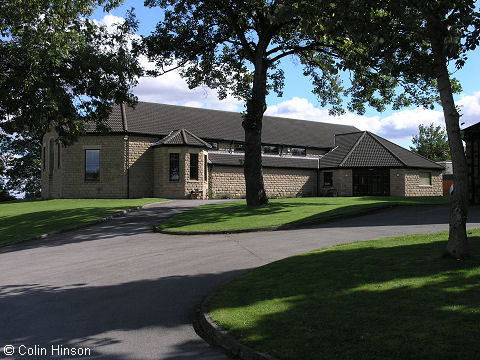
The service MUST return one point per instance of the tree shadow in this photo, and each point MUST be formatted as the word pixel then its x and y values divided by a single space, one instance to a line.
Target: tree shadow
pixel 111 320
pixel 134 223
pixel 360 303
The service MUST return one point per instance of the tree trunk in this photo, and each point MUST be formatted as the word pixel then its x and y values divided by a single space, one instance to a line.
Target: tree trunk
pixel 252 124
pixel 457 246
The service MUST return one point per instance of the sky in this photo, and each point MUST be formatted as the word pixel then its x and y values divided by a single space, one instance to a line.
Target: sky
pixel 298 101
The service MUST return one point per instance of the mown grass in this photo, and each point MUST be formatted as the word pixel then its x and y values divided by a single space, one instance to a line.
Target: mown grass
pixel 236 215
pixel 25 219
pixel 393 298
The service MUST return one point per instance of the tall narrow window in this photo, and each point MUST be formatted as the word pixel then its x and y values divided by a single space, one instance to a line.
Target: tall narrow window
pixel 92 165
pixel 174 167
pixel 193 166
pixel 44 158
pixel 51 159
pixel 58 155
pixel 328 178
pixel 205 167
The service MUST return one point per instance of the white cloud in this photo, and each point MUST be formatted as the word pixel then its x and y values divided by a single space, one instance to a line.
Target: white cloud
pixel 171 88
pixel 398 127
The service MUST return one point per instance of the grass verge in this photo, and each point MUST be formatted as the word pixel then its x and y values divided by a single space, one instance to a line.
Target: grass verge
pixel 236 216
pixel 392 298
pixel 25 219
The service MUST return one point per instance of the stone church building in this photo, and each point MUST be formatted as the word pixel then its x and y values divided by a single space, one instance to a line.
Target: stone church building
pixel 158 150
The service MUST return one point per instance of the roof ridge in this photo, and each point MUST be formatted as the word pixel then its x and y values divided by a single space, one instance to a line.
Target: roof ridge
pixel 196 137
pixel 184 137
pixel 353 148
pixel 373 136
pixel 124 117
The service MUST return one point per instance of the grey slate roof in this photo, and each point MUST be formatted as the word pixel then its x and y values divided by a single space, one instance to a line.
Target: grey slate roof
pixel 236 159
pixel 182 137
pixel 364 149
pixel 160 119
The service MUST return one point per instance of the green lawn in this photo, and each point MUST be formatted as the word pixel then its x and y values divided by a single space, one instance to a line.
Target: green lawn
pixel 236 216
pixel 394 298
pixel 25 219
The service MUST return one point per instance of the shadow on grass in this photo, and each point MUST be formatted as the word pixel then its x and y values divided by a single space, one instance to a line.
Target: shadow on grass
pixel 359 303
pixel 281 213
pixel 36 223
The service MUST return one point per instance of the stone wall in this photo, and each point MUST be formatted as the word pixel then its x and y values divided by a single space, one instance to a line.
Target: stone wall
pixel 279 182
pixel 140 166
pixel 413 188
pixel 397 182
pixel 406 182
pixel 163 186
pixel 342 183
pixel 472 154
pixel 68 181
pixel 112 182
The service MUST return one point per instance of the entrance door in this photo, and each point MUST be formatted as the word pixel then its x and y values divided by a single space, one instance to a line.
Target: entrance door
pixel 371 182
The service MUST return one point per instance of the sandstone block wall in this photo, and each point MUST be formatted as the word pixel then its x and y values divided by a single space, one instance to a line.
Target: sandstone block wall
pixel 413 188
pixel 279 182
pixel 68 181
pixel 163 187
pixel 397 182
pixel 140 166
pixel 342 182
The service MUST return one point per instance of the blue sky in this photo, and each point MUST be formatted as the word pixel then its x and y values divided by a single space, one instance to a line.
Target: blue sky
pixel 298 100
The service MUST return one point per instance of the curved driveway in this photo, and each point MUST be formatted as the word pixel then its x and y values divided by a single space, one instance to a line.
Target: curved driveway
pixel 128 293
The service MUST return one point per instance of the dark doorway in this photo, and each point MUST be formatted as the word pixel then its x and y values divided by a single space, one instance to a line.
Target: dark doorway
pixel 371 182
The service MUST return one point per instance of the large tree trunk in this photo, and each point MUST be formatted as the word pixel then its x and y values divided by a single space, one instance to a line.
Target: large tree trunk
pixel 252 123
pixel 457 246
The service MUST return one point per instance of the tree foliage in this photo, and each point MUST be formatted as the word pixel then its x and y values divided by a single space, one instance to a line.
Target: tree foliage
pixel 431 142
pixel 236 47
pixel 415 41
pixel 58 70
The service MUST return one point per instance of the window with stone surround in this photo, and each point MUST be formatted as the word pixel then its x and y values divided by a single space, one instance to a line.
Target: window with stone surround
pixel 174 167
pixel 425 178
pixel 51 158
pixel 271 149
pixel 205 167
pixel 92 165
pixel 193 166
pixel 239 147
pixel 328 178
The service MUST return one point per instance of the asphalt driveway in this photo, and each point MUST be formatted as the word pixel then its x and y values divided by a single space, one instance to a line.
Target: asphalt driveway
pixel 125 292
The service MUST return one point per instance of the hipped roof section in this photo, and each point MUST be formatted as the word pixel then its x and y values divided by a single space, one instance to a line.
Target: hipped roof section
pixel 364 149
pixel 159 119
pixel 182 137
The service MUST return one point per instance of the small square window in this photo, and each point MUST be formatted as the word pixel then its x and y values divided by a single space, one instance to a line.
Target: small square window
pixel 425 178
pixel 328 178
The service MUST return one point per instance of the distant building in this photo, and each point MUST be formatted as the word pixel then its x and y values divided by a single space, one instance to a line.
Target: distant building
pixel 177 152
pixel 471 136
